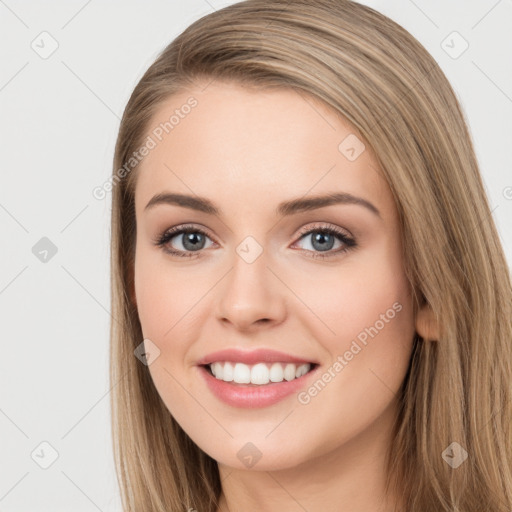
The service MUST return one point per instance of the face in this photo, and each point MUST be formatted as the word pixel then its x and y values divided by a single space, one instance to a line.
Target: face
pixel 284 284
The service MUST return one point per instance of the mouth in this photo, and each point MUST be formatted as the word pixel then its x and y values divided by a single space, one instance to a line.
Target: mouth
pixel 255 378
pixel 259 374
pixel 259 385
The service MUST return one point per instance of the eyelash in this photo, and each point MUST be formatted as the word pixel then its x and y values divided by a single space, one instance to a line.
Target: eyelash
pixel 166 236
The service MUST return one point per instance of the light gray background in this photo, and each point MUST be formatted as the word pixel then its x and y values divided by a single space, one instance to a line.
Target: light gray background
pixel 58 124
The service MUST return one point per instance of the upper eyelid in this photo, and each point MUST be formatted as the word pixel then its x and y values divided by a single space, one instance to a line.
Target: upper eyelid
pixel 178 230
pixel 318 226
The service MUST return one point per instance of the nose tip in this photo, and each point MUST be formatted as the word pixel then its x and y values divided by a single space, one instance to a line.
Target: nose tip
pixel 250 296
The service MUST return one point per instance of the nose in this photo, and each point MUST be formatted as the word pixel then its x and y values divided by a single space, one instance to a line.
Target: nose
pixel 251 296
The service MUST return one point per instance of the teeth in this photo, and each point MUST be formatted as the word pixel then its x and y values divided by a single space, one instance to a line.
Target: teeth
pixel 260 374
pixel 228 372
pixel 242 373
pixel 276 372
pixel 289 371
pixel 217 370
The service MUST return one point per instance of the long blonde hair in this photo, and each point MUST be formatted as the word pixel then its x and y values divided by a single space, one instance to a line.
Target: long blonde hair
pixel 381 79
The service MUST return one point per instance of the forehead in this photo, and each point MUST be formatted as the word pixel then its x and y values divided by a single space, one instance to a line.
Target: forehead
pixel 250 148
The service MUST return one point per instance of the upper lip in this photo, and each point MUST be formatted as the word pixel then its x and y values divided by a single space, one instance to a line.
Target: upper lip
pixel 251 357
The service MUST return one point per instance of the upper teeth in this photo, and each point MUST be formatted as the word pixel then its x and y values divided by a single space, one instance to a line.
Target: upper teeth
pixel 261 373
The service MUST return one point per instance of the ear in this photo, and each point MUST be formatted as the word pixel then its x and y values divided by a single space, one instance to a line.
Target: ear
pixel 426 325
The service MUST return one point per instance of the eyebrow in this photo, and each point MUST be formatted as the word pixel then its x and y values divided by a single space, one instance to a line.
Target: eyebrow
pixel 285 208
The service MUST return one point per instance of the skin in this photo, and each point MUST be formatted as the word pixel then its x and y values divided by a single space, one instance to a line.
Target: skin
pixel 247 150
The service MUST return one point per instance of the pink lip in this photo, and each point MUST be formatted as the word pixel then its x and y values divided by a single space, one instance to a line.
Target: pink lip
pixel 252 396
pixel 251 357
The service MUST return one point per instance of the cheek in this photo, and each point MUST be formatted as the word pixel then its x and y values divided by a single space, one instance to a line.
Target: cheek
pixel 365 303
pixel 164 296
pixel 164 304
pixel 367 328
pixel 154 302
pixel 369 301
pixel 353 296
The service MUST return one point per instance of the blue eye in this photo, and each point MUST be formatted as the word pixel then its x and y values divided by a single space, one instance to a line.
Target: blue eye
pixel 324 238
pixel 193 241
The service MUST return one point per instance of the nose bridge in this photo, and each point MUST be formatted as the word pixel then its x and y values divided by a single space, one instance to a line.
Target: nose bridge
pixel 250 291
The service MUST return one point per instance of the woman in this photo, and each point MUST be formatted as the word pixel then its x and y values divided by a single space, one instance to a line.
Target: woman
pixel 255 367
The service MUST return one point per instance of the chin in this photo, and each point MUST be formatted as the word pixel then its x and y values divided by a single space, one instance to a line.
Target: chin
pixel 258 455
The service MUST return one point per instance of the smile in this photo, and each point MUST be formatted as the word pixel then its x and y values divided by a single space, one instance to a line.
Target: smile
pixel 255 378
pixel 258 374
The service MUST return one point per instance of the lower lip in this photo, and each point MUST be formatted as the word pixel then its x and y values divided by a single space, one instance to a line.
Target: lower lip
pixel 253 396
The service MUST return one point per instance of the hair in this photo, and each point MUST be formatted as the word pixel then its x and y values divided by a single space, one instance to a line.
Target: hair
pixel 375 74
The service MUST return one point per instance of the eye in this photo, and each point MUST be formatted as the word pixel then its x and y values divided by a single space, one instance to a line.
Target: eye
pixel 322 238
pixel 191 238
